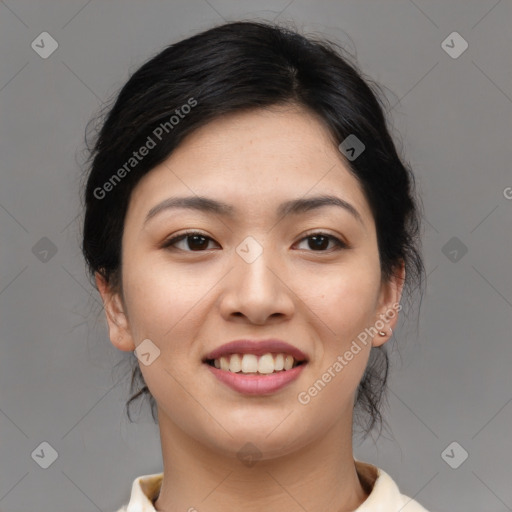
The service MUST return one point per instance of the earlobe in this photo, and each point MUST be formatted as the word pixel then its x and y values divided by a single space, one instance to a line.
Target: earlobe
pixel 117 321
pixel 389 306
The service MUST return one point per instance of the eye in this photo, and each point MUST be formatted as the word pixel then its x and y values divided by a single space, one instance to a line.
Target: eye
pixel 319 242
pixel 194 241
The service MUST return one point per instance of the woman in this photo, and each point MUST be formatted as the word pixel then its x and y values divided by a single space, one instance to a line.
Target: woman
pixel 251 230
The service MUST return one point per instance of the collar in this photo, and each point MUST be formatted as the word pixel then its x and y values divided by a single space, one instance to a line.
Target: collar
pixel 383 492
pixel 145 491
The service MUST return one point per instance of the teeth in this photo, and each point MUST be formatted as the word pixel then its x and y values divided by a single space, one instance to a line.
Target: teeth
pixel 224 363
pixel 235 363
pixel 250 363
pixel 266 364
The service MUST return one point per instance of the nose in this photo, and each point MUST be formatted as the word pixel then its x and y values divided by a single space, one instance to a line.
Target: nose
pixel 257 291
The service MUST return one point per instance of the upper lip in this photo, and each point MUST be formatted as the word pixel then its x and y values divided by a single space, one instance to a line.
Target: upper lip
pixel 256 347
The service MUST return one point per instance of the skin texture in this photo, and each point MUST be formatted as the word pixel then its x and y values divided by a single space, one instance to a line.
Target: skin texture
pixel 188 302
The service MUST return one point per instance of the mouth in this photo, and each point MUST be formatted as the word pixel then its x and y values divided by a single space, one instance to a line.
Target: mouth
pixel 256 367
pixel 256 375
pixel 252 364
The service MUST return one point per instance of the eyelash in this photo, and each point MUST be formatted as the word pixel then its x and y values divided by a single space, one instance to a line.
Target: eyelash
pixel 339 244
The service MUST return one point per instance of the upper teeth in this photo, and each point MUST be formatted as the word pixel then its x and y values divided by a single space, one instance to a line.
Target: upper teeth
pixel 250 363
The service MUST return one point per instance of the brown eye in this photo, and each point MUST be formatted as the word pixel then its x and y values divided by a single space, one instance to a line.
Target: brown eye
pixel 193 242
pixel 319 242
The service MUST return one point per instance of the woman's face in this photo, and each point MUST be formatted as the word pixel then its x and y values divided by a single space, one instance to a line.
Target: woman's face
pixel 255 275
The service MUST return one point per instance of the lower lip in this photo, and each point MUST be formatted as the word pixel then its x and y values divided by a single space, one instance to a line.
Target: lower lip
pixel 257 384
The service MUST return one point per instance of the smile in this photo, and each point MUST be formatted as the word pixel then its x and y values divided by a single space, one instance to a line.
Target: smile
pixel 249 374
pixel 253 364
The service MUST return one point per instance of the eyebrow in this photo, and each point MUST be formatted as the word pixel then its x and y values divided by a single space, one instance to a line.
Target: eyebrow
pixel 292 207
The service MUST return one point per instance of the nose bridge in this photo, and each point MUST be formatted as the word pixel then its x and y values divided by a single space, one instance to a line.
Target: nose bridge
pixel 255 264
pixel 256 289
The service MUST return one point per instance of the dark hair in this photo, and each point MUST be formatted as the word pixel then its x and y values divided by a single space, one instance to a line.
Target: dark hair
pixel 231 68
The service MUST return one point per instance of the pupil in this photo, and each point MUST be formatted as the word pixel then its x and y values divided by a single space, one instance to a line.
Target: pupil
pixel 195 240
pixel 317 245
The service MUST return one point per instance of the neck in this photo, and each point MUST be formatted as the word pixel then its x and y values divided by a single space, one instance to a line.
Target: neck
pixel 321 475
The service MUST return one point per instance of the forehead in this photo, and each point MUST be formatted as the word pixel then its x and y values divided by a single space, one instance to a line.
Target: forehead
pixel 258 157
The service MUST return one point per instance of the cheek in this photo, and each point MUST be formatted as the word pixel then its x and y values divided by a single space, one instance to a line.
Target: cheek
pixel 344 307
pixel 346 299
pixel 164 305
pixel 160 298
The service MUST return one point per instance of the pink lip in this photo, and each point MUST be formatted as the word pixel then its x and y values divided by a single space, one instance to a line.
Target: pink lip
pixel 258 348
pixel 251 384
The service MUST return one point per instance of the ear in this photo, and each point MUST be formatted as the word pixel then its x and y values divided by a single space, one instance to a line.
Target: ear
pixel 389 305
pixel 117 320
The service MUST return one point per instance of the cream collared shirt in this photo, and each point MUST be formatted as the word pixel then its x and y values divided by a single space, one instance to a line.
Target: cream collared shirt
pixel 384 496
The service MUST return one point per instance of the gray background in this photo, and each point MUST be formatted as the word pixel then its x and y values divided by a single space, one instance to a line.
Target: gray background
pixel 453 117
